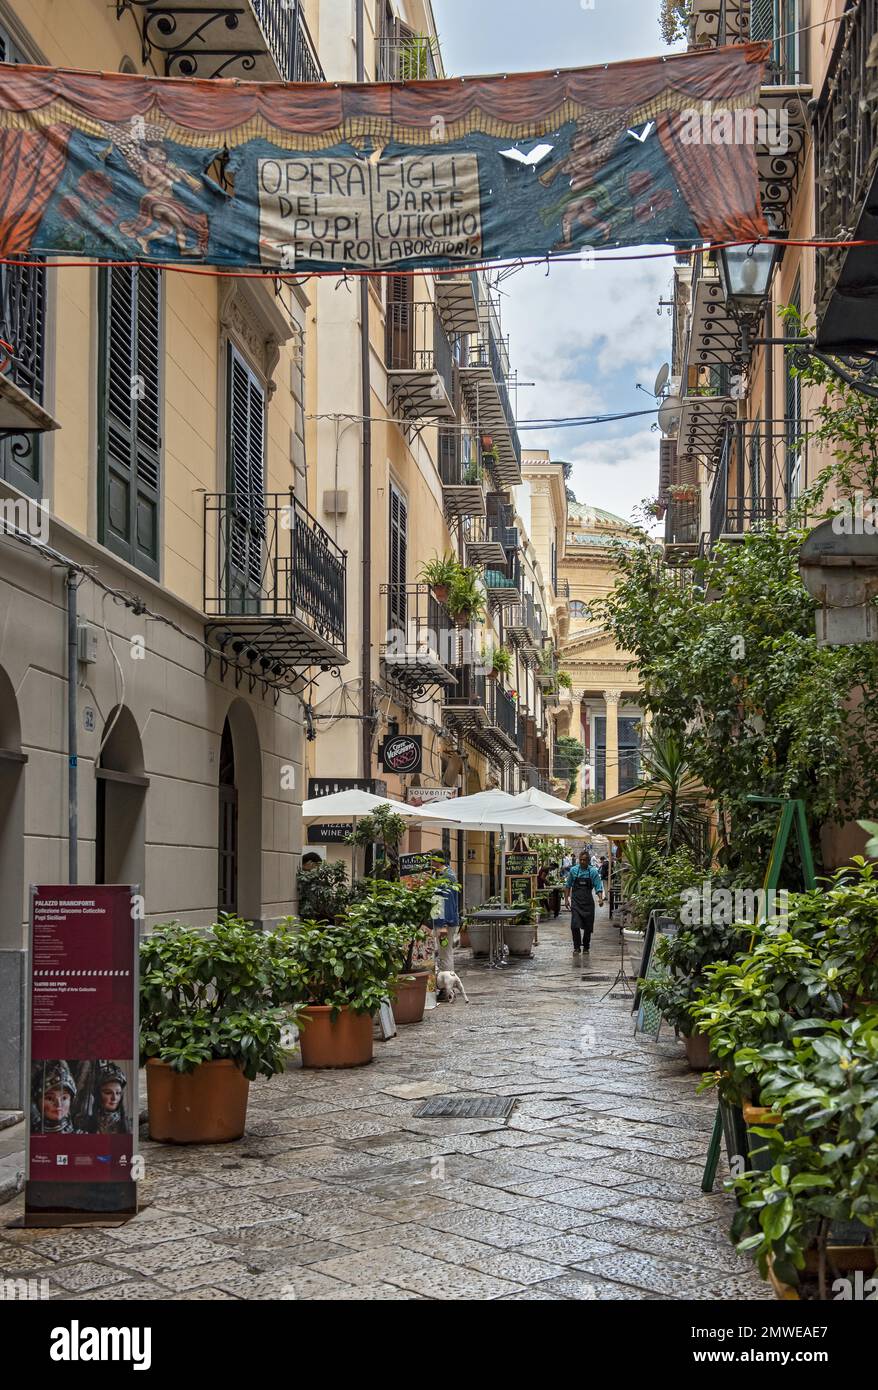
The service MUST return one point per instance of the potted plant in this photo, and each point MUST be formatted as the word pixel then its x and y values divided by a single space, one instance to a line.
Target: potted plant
pixel 211 1020
pixel 473 474
pixel 466 601
pixel 440 573
pixel 519 936
pixel 498 662
pixel 565 680
pixel 406 911
pixel 682 961
pixel 339 976
pixel 480 932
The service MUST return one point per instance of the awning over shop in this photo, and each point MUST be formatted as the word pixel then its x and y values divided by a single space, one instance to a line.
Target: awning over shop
pixel 631 807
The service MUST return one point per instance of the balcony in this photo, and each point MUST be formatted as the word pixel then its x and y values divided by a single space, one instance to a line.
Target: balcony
pixel 457 302
pixel 420 370
pixel 274 585
pixel 845 143
pixel 420 642
pixel 483 384
pixel 523 627
pixel 462 474
pixel 682 529
pixel 781 123
pixel 403 56
pixel 483 713
pixel 504 585
pixel 753 478
pixel 483 545
pixel 257 40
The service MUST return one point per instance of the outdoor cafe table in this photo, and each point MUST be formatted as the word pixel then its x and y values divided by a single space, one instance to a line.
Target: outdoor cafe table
pixel 497 917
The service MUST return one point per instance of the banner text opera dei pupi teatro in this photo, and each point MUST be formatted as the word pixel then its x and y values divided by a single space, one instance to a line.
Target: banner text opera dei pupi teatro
pixel 326 176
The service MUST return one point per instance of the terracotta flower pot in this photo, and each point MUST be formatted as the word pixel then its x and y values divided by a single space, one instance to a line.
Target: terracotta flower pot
pixel 411 997
pixel 464 939
pixel 347 1042
pixel 205 1106
pixel 441 592
pixel 698 1052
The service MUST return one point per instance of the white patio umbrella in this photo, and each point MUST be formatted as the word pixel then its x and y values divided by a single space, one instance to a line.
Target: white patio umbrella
pixel 508 819
pixel 534 797
pixel 352 805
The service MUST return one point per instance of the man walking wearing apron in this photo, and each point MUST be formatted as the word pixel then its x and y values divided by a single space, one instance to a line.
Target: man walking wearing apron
pixel 583 881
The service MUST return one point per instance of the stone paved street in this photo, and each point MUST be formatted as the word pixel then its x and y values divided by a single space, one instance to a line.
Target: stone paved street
pixel 589 1190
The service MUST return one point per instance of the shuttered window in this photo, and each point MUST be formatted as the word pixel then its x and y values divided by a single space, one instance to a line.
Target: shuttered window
pixel 246 478
pixel 793 411
pixel 398 556
pixel 130 414
pixel 23 325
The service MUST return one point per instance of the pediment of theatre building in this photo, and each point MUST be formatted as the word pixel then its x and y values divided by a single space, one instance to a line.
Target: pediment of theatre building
pixel 596 645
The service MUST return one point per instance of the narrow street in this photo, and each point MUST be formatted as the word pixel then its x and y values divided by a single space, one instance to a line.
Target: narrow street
pixel 590 1190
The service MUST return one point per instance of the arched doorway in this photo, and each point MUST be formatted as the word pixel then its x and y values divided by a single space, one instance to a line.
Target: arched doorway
pixel 12 761
pixel 120 812
pixel 239 846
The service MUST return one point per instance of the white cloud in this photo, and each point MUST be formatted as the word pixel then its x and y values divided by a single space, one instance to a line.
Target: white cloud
pixel 616 473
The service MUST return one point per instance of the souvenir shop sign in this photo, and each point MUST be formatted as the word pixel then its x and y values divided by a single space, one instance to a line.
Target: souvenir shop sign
pixel 323 176
pixel 429 796
pixel 83 1050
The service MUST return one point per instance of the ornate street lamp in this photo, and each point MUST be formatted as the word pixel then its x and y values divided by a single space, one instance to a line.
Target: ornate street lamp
pixel 745 274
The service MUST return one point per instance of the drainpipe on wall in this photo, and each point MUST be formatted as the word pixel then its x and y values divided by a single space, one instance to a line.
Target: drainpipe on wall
pixel 366 524
pixel 72 770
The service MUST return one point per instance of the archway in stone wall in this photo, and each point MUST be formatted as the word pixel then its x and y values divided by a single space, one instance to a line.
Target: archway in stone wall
pixel 120 803
pixel 239 856
pixel 13 908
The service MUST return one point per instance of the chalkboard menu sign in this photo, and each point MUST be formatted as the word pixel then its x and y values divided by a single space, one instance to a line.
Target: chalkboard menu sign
pixel 522 863
pixel 416 864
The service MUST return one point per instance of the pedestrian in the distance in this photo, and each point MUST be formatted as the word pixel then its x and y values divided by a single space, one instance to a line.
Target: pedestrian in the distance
pixel 583 882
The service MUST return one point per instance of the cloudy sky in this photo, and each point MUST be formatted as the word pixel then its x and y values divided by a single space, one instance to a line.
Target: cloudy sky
pixel 585 335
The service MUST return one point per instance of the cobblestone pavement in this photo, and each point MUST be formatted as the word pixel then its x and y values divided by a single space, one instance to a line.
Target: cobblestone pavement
pixel 591 1189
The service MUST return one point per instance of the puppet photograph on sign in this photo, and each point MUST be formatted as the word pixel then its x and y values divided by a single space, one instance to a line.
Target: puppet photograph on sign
pixel 324 176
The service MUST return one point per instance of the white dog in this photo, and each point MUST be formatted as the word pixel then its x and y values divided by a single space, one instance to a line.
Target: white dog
pixel 450 983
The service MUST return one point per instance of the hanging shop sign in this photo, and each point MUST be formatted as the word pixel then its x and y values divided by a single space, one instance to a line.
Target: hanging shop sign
pixel 379 176
pixel 427 796
pixel 83 1053
pixel 402 753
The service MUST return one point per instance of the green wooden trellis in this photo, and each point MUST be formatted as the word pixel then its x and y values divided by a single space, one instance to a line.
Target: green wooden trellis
pixel 792 816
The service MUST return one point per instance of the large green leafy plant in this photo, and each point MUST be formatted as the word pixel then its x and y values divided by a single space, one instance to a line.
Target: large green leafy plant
pixel 823 1154
pixel 213 995
pixel 323 891
pixel 682 960
pixel 386 829
pixel 398 909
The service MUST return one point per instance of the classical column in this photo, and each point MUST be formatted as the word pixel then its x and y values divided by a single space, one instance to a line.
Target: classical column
pixel 611 698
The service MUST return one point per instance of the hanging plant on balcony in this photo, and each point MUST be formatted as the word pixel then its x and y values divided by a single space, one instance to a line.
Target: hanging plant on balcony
pixel 466 602
pixel 683 492
pixel 655 508
pixel 498 662
pixel 440 573
pixel 473 474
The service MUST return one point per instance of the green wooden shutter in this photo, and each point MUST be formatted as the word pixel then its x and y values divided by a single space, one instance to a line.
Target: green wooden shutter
pixel 130 415
pixel 246 479
pixel 762 15
pixel 398 557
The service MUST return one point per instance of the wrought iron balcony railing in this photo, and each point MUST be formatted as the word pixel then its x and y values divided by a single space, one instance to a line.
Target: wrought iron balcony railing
pixel 462 472
pixel 419 361
pixel 23 323
pixel 256 39
pixel 289 39
pixel 523 625
pixel 274 584
pixel 715 23
pixel 483 544
pixel 408 58
pixel 845 139
pixel 505 584
pixel 421 642
pixel 483 383
pixel 761 464
pixel 682 523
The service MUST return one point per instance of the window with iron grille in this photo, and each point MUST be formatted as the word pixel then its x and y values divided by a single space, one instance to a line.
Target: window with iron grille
pixel 245 474
pixel 398 557
pixel 778 22
pixel 130 414
pixel 23 326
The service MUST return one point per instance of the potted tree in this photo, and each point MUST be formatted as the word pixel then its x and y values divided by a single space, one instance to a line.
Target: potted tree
pixel 407 911
pixel 440 573
pixel 339 976
pixel 386 829
pixel 211 1020
pixel 323 891
pixel 682 961
pixel 466 601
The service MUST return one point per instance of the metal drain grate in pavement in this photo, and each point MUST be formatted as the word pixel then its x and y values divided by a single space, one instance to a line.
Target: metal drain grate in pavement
pixel 466 1108
pixel 598 979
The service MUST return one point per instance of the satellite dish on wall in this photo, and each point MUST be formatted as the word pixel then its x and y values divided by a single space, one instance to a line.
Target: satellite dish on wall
pixel 661 380
pixel 669 415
